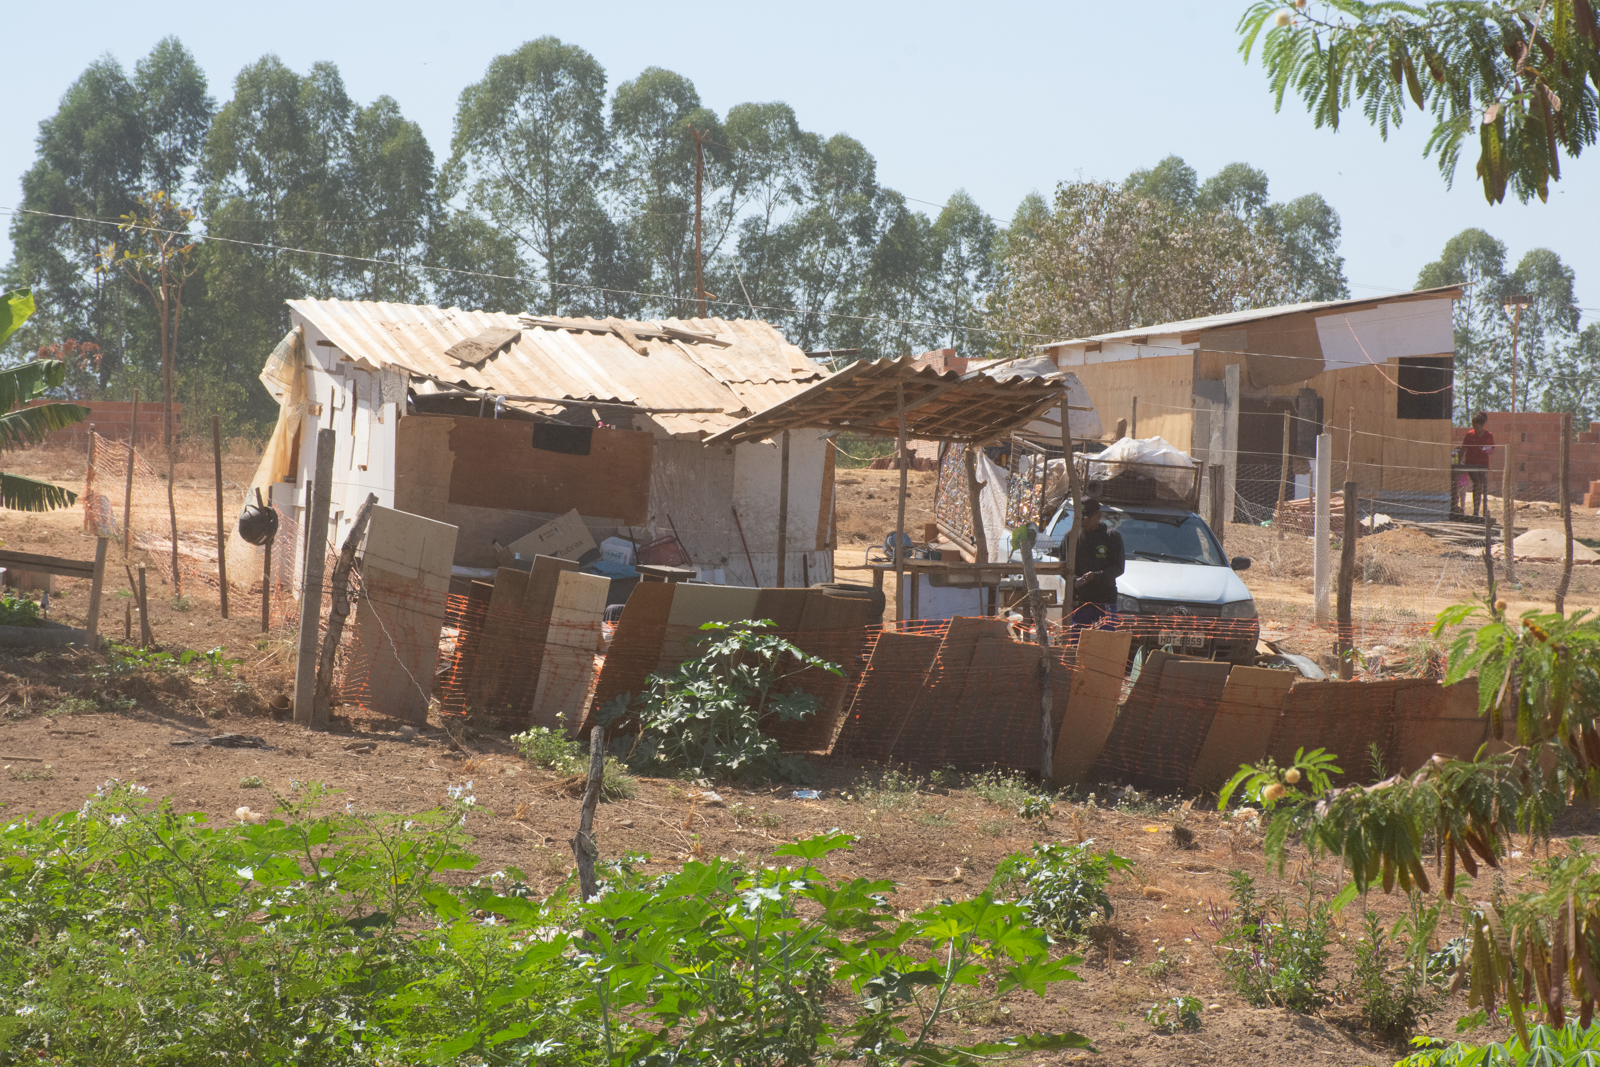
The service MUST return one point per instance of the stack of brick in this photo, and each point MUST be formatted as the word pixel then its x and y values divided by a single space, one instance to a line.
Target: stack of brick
pixel 1538 456
pixel 1299 516
pixel 112 419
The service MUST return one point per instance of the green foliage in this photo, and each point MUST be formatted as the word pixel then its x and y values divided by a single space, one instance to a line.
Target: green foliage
pixel 1394 995
pixel 1174 1014
pixel 553 750
pixel 893 790
pixel 1004 789
pixel 21 425
pixel 1267 785
pixel 704 720
pixel 1271 952
pixel 1064 886
pixel 18 610
pixel 1515 73
pixel 1572 1044
pixel 128 659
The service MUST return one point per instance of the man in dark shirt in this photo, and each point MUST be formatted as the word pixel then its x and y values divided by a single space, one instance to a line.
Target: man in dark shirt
pixel 1098 564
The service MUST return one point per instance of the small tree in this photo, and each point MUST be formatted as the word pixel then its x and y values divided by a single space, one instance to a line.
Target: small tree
pixel 30 425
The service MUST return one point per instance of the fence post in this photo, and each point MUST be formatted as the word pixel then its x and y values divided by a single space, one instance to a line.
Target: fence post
pixel 1283 479
pixel 127 493
pixel 1566 513
pixel 1041 629
pixel 1347 576
pixel 305 668
pixel 1508 512
pixel 1218 491
pixel 783 510
pixel 222 529
pixel 1319 530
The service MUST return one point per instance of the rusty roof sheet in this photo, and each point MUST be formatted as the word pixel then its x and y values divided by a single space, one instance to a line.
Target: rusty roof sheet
pixel 575 362
pixel 865 398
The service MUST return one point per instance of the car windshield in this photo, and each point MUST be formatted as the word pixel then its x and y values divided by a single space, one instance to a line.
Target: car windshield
pixel 1160 537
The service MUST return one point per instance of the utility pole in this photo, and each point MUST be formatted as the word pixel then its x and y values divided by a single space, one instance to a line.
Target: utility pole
pixel 699 181
pixel 1508 487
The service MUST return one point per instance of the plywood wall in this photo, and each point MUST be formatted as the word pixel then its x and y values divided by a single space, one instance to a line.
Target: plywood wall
pixel 1163 384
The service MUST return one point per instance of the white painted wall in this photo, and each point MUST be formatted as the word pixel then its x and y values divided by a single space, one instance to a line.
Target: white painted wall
pixel 1389 331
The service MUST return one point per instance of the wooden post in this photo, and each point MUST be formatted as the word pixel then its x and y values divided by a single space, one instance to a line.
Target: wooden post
pixel 127 493
pixel 1283 479
pixel 222 528
pixel 1041 630
pixel 1133 423
pixel 900 520
pixel 783 511
pixel 1347 576
pixel 1069 546
pixel 305 669
pixel 1566 513
pixel 1320 532
pixel 1218 491
pixel 172 505
pixel 93 626
pixel 338 613
pixel 266 586
pixel 584 849
pixel 145 638
pixel 127 621
pixel 1488 556
pixel 1508 511
pixel 980 537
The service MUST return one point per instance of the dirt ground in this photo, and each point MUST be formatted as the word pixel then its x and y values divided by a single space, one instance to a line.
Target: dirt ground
pixel 66 726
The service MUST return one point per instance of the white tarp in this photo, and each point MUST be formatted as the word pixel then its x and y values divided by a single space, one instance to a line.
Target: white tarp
pixel 1170 466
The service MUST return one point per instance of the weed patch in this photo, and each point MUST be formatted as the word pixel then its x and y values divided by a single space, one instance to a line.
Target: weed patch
pixel 1064 886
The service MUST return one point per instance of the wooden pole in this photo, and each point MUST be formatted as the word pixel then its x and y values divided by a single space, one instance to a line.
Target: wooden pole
pixel 1566 514
pixel 1069 547
pixel 172 505
pixel 783 511
pixel 92 629
pixel 900 520
pixel 1218 491
pixel 980 537
pixel 305 669
pixel 127 493
pixel 1133 423
pixel 338 613
pixel 1041 630
pixel 222 528
pixel 266 586
pixel 584 849
pixel 1347 576
pixel 1283 479
pixel 1488 556
pixel 1320 532
pixel 1508 511
pixel 145 638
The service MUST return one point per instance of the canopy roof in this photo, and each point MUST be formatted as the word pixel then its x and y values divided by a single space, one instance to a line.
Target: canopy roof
pixel 865 398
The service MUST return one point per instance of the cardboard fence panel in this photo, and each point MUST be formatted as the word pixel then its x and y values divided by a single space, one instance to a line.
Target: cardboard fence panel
pixel 405 579
pixel 886 701
pixel 635 646
pixel 1087 703
pixel 834 629
pixel 692 607
pixel 1246 716
pixel 511 647
pixel 1186 702
pixel 1119 758
pixel 996 723
pixel 931 738
pixel 1441 720
pixel 567 676
pixel 1346 719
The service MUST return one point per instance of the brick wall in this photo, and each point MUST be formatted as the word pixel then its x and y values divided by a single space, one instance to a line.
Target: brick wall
pixel 1538 455
pixel 111 419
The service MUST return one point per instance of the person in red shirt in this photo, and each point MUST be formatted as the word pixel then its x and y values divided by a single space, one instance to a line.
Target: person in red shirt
pixel 1475 449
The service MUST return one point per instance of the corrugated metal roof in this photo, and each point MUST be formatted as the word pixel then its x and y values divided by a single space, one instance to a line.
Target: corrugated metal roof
pixel 1236 318
pixel 758 368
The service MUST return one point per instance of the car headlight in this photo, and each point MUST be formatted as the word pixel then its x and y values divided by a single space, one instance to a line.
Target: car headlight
pixel 1239 609
pixel 1127 604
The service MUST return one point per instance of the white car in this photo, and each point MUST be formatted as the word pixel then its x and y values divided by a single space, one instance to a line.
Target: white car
pixel 1178 590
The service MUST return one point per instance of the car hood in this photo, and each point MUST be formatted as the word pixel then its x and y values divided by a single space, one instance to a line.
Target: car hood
pixel 1190 582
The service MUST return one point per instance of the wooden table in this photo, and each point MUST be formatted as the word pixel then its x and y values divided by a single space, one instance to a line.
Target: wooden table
pixel 983 573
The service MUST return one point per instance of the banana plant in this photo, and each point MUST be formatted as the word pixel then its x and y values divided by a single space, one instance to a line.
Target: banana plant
pixel 21 425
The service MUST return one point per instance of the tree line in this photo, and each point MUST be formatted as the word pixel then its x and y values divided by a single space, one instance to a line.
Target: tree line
pixel 563 197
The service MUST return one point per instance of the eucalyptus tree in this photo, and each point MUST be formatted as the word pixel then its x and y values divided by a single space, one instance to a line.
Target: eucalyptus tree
pixel 530 150
pixel 391 203
pixel 1477 262
pixel 770 159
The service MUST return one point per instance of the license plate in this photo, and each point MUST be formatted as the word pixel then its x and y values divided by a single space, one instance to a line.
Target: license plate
pixel 1182 639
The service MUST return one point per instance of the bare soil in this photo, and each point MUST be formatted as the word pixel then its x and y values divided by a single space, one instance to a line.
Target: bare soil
pixel 66 727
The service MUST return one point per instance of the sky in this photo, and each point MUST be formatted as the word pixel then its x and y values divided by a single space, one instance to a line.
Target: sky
pixel 998 99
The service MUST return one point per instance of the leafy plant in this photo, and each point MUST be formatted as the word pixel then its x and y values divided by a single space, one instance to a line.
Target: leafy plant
pixel 21 424
pixel 1174 1014
pixel 128 659
pixel 1065 885
pixel 1038 807
pixel 1271 954
pixel 893 789
pixel 1573 1044
pixel 554 750
pixel 1001 788
pixel 1394 995
pixel 18 611
pixel 704 720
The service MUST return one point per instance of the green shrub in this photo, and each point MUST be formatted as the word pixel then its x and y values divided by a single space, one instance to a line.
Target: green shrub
pixel 893 790
pixel 1394 995
pixel 1272 955
pixel 704 720
pixel 1174 1014
pixel 1065 885
pixel 132 934
pixel 554 750
pixel 18 611
pixel 1573 1044
pixel 1003 789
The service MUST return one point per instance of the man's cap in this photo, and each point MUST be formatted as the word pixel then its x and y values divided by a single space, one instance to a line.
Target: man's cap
pixel 1091 506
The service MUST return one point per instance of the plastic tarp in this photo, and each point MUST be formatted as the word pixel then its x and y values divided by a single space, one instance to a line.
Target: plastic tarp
pixel 284 375
pixel 1152 453
pixel 1083 424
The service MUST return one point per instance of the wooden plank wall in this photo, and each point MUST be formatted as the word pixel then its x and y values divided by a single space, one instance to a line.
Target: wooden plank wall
pixel 1163 384
pixel 498 467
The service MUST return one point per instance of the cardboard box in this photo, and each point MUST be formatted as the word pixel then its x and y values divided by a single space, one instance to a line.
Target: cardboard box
pixel 565 538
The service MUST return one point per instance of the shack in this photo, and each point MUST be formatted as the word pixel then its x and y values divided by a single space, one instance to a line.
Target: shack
pixel 1377 374
pixel 498 424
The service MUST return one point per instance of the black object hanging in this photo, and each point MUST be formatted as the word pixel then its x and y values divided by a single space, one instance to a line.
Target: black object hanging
pixel 258 522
